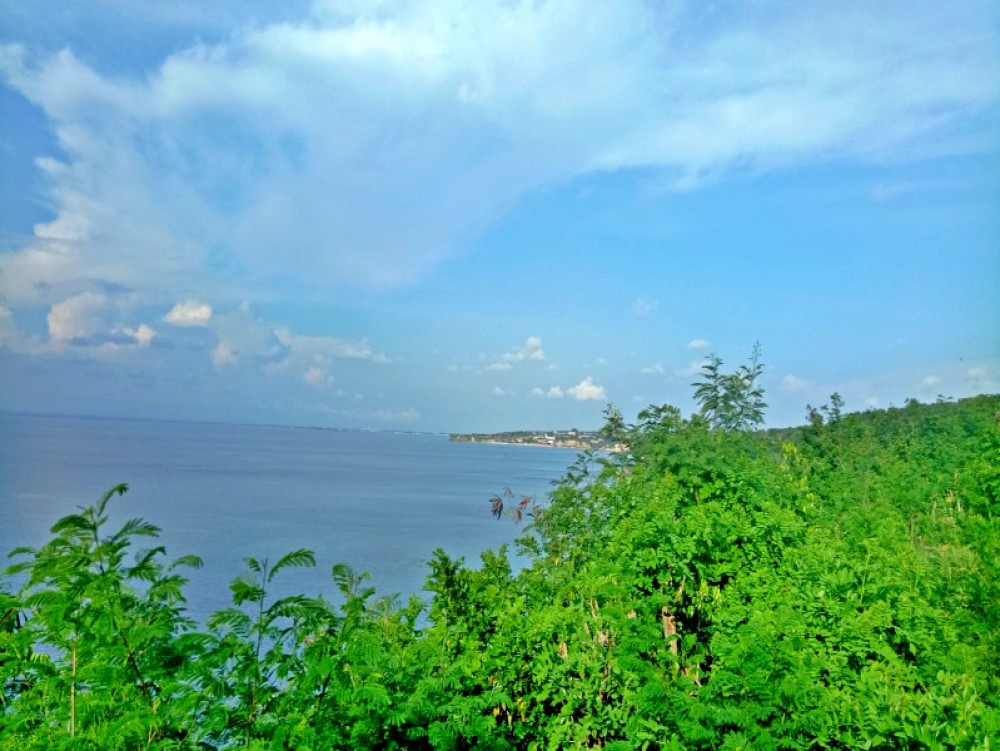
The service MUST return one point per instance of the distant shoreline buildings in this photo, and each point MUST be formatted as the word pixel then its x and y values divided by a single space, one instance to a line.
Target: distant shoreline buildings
pixel 590 440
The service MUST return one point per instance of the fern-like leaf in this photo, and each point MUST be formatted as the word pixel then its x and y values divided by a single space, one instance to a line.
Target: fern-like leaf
pixel 300 558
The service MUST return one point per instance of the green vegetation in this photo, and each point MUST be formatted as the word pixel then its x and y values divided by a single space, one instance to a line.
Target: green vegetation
pixel 834 586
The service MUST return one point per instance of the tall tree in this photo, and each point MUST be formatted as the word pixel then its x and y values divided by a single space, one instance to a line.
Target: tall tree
pixel 731 401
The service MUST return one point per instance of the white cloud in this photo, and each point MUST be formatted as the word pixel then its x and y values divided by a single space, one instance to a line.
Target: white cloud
pixel 980 378
pixel 189 313
pixel 587 390
pixel 329 347
pixel 531 350
pixel 317 375
pixel 80 316
pixel 498 391
pixel 279 151
pixel 698 344
pixel 242 336
pixel 223 355
pixel 930 382
pixel 793 384
pixel 872 402
pixel 553 392
pixel 654 369
pixel 89 323
pixel 143 335
pixel 8 329
pixel 693 368
pixel 402 415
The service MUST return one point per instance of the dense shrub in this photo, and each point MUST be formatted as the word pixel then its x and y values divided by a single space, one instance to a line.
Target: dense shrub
pixel 834 586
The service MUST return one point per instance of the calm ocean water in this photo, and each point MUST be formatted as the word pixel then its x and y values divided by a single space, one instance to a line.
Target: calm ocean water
pixel 381 502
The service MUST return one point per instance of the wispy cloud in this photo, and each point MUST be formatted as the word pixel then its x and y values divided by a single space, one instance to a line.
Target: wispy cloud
pixel 277 152
pixel 317 375
pixel 243 337
pixel 553 392
pixel 793 384
pixel 692 369
pixel 698 344
pixel 981 378
pixel 654 369
pixel 930 382
pixel 398 415
pixel 530 351
pixel 8 329
pixel 643 307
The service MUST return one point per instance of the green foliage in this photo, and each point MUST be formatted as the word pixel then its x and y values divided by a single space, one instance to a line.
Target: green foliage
pixel 834 586
pixel 731 401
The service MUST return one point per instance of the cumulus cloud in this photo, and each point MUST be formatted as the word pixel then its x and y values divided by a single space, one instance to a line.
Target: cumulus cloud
pixel 189 313
pixel 654 369
pixel 89 322
pixel 142 335
pixel 78 317
pixel 930 382
pixel 280 151
pixel 698 344
pixel 587 390
pixel 793 384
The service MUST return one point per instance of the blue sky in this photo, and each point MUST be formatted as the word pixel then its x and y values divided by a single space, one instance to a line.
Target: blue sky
pixel 485 216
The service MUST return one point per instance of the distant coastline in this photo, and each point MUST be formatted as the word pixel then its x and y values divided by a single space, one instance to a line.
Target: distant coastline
pixel 587 440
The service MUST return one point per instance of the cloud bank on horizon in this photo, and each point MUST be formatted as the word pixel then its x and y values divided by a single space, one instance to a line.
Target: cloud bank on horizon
pixel 353 152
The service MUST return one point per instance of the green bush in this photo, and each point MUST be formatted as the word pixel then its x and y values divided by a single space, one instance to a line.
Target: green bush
pixel 834 586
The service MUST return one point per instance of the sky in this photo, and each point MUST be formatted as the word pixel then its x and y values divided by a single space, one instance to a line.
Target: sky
pixel 454 216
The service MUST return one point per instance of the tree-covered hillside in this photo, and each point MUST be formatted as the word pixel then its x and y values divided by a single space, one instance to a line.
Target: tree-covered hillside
pixel 836 586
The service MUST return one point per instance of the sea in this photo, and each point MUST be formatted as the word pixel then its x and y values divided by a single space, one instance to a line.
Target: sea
pixel 381 502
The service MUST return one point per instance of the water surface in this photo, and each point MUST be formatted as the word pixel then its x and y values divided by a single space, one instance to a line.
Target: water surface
pixel 381 502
